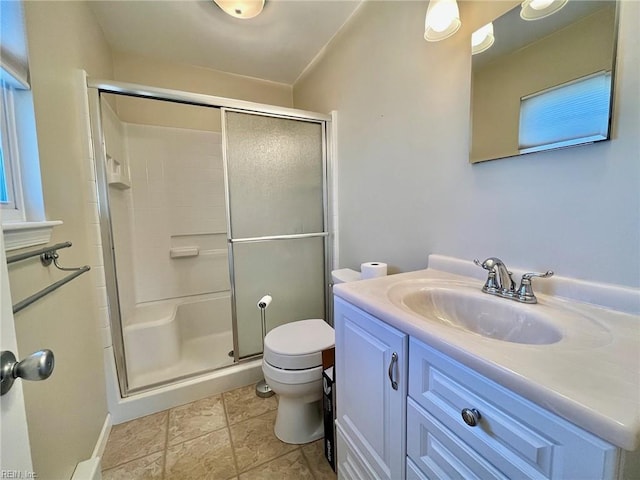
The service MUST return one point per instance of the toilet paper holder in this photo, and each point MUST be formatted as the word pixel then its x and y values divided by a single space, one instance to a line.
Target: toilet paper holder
pixel 263 390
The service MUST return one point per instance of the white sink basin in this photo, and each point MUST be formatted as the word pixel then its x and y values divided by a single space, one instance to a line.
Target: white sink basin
pixel 477 312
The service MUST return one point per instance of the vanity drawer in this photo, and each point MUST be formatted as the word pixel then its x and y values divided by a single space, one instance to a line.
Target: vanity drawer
pixel 516 436
pixel 439 454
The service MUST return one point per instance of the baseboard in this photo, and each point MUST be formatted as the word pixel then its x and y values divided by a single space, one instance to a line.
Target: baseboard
pixel 90 469
pixel 101 444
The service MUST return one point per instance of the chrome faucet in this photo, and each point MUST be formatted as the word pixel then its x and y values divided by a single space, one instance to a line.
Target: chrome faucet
pixel 500 282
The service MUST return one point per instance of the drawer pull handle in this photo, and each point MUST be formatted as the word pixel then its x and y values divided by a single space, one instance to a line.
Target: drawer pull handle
pixel 394 361
pixel 471 416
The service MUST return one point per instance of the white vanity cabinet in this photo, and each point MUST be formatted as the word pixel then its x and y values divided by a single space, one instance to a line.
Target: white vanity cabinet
pixel 417 431
pixel 371 391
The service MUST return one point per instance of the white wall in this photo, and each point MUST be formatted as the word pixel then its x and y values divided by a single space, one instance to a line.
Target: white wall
pixel 158 73
pixel 405 185
pixel 65 414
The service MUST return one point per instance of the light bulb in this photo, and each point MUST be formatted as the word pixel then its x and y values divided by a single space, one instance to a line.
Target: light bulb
pixel 442 20
pixel 482 39
pixel 241 8
pixel 443 13
pixel 537 9
pixel 540 4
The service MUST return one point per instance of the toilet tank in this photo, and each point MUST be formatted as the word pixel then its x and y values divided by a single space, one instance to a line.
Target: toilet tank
pixel 344 275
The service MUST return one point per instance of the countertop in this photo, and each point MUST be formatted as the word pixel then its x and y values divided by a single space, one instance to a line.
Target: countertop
pixel 591 377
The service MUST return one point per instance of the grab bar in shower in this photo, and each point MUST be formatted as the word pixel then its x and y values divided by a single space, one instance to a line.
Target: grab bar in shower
pixel 47 256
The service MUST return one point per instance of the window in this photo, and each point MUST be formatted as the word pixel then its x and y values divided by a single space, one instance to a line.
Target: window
pixel 21 199
pixel 10 185
pixel 569 114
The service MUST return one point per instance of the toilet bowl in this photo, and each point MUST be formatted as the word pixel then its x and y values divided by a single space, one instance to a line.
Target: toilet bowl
pixel 292 367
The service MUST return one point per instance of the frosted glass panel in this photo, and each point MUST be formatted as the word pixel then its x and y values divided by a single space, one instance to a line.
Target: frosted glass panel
pixel 275 174
pixel 291 271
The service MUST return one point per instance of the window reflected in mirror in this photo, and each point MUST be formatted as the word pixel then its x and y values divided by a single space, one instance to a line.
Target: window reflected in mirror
pixel 544 84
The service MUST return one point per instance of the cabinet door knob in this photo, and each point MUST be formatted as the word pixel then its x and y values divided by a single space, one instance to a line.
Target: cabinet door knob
pixel 394 361
pixel 471 416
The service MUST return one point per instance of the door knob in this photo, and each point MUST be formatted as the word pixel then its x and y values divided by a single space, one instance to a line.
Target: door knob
pixel 37 366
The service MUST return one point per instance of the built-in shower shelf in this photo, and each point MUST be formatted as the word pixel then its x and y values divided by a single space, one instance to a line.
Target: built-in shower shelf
pixel 117 174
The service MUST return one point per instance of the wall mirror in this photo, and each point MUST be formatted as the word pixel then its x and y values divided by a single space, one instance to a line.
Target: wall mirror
pixel 546 83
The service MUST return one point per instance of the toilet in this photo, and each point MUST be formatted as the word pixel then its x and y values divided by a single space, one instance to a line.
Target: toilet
pixel 292 367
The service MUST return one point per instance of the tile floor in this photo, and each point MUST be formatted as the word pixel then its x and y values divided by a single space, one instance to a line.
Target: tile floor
pixel 226 436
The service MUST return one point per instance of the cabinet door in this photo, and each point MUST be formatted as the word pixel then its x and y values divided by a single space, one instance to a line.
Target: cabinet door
pixel 371 388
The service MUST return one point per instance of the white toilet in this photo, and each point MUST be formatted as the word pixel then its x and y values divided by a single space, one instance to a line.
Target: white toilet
pixel 292 366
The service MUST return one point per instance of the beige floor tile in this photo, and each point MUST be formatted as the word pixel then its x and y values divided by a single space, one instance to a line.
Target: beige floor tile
pixel 255 443
pixel 135 439
pixel 195 419
pixel 291 466
pixel 206 457
pixel 145 468
pixel 314 453
pixel 243 403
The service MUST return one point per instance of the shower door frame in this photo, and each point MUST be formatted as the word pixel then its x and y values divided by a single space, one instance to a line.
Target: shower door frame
pixel 96 87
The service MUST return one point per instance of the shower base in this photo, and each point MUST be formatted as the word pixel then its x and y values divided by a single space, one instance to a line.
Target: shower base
pixel 198 355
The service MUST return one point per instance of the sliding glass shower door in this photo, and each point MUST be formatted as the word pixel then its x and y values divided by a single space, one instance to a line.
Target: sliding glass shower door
pixel 277 223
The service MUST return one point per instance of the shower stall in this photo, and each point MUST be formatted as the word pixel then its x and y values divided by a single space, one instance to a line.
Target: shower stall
pixel 206 204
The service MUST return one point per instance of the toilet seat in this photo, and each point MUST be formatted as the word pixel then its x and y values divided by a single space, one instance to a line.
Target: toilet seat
pixel 298 345
pixel 291 377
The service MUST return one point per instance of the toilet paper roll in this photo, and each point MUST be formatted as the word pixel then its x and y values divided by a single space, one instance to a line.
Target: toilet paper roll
pixel 373 270
pixel 264 301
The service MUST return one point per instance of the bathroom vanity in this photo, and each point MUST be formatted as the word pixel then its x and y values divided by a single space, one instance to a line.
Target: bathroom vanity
pixel 552 394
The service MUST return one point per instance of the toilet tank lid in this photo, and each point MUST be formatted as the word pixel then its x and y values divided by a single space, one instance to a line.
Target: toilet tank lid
pixel 345 275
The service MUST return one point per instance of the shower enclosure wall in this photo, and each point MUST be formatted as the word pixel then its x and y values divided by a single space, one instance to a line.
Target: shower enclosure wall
pixel 206 204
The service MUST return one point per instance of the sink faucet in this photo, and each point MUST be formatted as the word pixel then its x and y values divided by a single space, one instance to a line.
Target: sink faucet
pixel 499 282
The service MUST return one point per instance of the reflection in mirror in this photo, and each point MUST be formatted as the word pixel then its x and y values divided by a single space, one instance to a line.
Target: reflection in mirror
pixel 544 84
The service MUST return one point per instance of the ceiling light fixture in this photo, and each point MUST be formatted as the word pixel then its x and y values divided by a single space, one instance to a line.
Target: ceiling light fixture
pixel 482 39
pixel 537 9
pixel 442 20
pixel 241 8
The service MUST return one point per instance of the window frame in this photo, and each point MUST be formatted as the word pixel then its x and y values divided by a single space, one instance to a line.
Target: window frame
pixel 13 210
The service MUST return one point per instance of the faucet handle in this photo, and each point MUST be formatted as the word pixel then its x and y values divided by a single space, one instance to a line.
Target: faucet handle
pixel 528 276
pixel 491 285
pixel 479 263
pixel 525 292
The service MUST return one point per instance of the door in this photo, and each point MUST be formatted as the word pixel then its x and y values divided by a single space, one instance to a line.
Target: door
pixel 371 376
pixel 15 452
pixel 277 224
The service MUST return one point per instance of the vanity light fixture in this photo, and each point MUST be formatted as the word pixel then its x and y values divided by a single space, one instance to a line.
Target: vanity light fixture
pixel 537 9
pixel 243 9
pixel 442 20
pixel 482 39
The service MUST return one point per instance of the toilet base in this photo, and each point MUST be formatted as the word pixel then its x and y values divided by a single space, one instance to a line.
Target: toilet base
pixel 299 422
